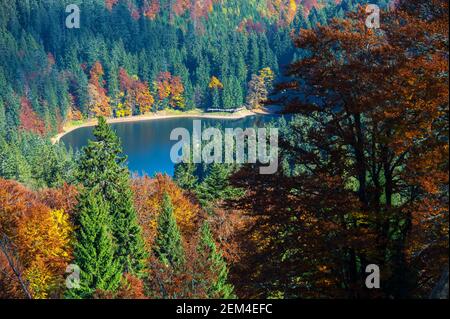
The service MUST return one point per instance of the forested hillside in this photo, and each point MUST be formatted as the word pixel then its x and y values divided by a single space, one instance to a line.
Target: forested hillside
pixel 363 159
pixel 134 57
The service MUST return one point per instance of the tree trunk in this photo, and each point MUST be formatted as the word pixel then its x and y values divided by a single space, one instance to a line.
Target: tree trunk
pixel 440 291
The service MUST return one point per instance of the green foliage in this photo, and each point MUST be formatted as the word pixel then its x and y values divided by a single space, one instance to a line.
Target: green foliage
pixel 12 163
pixel 218 286
pixel 102 167
pixel 185 176
pixel 216 186
pixel 168 245
pixel 95 248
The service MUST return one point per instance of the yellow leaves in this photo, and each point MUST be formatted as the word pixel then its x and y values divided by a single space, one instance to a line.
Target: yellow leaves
pixel 267 74
pixel 215 83
pixel 179 101
pixel 148 201
pixel 39 278
pixel 292 7
pixel 47 235
pixel 123 110
pixel 323 268
pixel 135 95
pixel 45 242
pixel 170 87
pixel 60 233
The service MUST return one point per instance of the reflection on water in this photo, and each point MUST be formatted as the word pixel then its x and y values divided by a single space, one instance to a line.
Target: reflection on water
pixel 147 144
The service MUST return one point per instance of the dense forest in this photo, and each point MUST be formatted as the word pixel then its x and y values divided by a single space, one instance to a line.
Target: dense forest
pixel 364 154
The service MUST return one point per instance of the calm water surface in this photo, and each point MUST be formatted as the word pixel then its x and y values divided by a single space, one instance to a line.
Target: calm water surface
pixel 147 144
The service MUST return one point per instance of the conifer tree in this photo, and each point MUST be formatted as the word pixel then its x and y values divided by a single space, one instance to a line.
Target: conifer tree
pixel 216 185
pixel 218 286
pixel 102 166
pixel 184 174
pixel 168 244
pixel 215 99
pixel 2 118
pixel 13 164
pixel 95 250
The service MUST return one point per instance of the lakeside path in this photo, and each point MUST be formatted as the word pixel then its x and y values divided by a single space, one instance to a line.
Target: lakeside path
pixel 159 116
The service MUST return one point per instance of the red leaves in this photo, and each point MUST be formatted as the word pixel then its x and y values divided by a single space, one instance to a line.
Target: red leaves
pixel 39 229
pixel 138 97
pixel 29 120
pixel 98 99
pixel 248 25
pixel 170 87
pixel 181 6
pixel 151 9
pixel 110 4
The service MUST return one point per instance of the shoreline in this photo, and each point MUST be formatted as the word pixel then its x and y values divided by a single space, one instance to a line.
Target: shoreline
pixel 160 116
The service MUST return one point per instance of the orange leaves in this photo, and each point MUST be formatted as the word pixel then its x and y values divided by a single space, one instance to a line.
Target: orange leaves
pixel 46 234
pixel 163 85
pixel 148 199
pixel 131 288
pixel 198 9
pixel 41 236
pixel 138 98
pixel 181 6
pixel 29 120
pixel 110 4
pixel 170 88
pixel 151 9
pixel 96 74
pixel 44 239
pixel 98 99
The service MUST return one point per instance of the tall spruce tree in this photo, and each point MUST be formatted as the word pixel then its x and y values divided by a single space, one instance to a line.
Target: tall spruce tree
pixel 168 245
pixel 94 250
pixel 102 166
pixel 217 283
pixel 216 185
pixel 185 172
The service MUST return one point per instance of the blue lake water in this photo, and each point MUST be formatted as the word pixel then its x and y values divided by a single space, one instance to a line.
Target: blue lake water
pixel 147 144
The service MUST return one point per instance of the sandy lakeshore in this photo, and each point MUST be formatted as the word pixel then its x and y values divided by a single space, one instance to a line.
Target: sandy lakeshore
pixel 158 116
pixel 164 115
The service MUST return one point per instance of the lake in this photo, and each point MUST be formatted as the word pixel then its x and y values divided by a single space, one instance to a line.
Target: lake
pixel 147 143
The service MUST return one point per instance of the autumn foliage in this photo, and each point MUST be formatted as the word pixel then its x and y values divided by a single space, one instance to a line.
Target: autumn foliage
pixel 136 95
pixel 36 242
pixel 369 151
pixel 148 198
pixel 170 90
pixel 29 120
pixel 99 102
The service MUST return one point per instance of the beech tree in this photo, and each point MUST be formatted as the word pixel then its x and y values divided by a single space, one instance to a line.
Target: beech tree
pixel 372 106
pixel 98 99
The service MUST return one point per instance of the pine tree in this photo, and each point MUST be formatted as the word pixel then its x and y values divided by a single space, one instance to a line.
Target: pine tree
pixel 216 186
pixel 185 177
pixel 2 118
pixel 13 164
pixel 168 244
pixel 102 166
pixel 95 250
pixel 215 99
pixel 217 283
pixel 227 94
